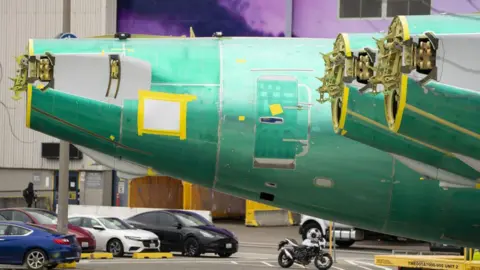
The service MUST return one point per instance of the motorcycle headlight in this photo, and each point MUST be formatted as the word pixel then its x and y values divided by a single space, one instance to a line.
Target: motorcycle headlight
pixel 206 234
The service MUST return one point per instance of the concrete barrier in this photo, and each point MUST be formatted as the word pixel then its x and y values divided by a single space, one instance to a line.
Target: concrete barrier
pixel 259 215
pixel 9 202
pixel 96 256
pixel 120 211
pixel 152 255
pixel 72 265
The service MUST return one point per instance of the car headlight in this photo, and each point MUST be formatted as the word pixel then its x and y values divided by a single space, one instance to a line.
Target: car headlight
pixel 206 234
pixel 135 238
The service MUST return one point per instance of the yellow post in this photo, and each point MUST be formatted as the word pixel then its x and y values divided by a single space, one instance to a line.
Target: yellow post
pixel 290 218
pixel 129 195
pixel 330 238
pixel 187 196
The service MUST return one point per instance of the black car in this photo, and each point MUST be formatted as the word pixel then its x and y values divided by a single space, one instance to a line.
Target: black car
pixel 186 232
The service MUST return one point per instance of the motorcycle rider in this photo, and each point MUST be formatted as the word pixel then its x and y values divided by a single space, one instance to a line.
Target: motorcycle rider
pixel 313 238
pixel 310 250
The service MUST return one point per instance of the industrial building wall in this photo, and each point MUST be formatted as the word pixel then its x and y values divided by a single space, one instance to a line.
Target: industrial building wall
pixel 222 205
pixel 23 19
pixel 15 180
pixel 155 192
pixel 95 187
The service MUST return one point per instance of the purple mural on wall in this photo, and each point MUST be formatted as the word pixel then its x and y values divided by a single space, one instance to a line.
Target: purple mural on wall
pixel 175 17
pixel 311 18
pixel 320 18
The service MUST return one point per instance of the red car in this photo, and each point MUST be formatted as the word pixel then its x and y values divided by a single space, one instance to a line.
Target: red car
pixel 49 219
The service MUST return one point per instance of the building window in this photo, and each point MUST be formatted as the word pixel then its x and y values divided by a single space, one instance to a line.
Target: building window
pixel 392 8
pixel 408 7
pixel 360 8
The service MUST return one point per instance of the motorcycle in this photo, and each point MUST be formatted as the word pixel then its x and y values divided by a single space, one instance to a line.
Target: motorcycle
pixel 310 249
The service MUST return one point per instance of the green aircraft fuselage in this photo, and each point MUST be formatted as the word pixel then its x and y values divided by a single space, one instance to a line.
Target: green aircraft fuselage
pixel 249 125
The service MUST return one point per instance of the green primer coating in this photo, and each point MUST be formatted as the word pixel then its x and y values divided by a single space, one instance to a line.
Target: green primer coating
pixel 455 105
pixel 380 136
pixel 443 24
pixel 268 134
pixel 369 188
pixel 85 113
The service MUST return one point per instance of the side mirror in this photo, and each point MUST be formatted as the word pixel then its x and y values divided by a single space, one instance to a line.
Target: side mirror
pixel 98 227
pixel 179 225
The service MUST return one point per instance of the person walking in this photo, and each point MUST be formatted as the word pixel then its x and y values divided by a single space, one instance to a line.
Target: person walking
pixel 29 194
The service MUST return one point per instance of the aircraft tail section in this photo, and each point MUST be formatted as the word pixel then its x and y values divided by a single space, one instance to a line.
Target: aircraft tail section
pixel 82 121
pixel 427 76
pixel 443 115
pixel 360 115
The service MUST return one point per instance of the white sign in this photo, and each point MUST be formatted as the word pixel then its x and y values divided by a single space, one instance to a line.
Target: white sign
pixel 121 187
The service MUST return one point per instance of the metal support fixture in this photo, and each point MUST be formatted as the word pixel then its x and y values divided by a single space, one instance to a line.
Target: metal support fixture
pixel 339 68
pixel 288 18
pixel 63 187
pixel 399 54
pixel 64 161
pixel 67 10
pixel 334 245
pixel 330 238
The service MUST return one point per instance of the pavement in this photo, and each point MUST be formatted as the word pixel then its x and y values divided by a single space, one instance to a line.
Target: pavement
pixel 258 250
pixel 270 236
pixel 245 259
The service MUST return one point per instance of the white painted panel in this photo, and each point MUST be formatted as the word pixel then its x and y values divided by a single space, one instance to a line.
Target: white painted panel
pixel 162 115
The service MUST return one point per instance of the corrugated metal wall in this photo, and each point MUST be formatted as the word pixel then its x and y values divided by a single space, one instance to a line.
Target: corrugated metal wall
pixel 222 205
pixel 156 192
pixel 23 19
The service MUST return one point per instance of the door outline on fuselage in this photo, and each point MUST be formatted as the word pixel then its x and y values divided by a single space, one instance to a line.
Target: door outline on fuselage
pixel 282 163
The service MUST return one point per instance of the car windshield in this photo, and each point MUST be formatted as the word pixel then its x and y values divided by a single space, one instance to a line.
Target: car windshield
pixel 190 220
pixel 44 217
pixel 114 223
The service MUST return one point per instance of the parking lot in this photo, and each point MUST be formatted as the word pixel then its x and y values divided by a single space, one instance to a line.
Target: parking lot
pixel 257 251
pixel 250 258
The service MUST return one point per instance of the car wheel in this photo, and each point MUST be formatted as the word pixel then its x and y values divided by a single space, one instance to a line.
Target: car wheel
pixel 35 259
pixel 310 228
pixel 191 247
pixel 52 266
pixel 224 254
pixel 115 247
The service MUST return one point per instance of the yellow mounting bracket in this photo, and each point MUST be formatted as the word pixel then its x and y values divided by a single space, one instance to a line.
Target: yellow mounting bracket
pixel 395 54
pixel 339 66
pixel 364 67
pixel 20 80
pixel 31 69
